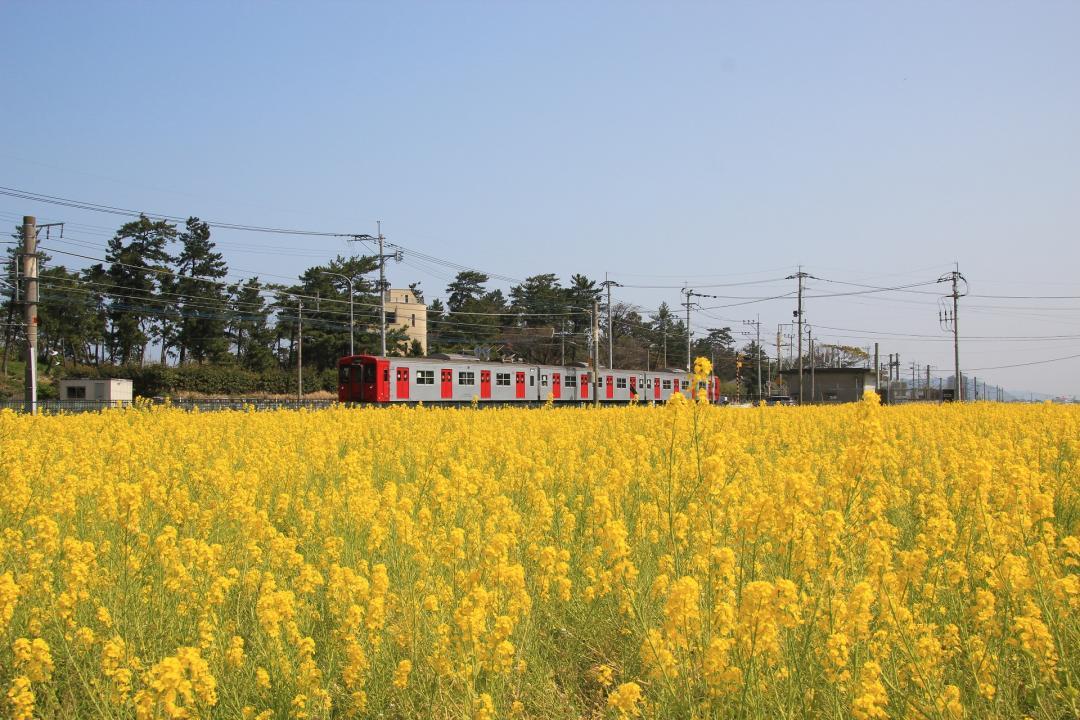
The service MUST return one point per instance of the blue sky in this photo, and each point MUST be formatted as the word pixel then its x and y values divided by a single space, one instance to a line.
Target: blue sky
pixel 707 143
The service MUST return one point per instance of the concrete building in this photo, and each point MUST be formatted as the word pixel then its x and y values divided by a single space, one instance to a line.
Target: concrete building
pixel 90 390
pixel 406 312
pixel 829 385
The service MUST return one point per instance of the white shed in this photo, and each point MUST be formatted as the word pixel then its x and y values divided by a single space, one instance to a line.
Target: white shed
pixel 108 392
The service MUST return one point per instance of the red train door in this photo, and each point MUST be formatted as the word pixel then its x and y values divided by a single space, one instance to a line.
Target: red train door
pixel 447 386
pixel 633 387
pixel 675 385
pixel 485 384
pixel 609 385
pixel 402 389
pixel 583 383
pixel 656 388
pixel 556 385
pixel 382 374
pixel 519 386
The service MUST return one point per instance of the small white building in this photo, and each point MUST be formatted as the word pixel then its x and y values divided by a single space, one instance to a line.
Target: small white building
pixel 92 390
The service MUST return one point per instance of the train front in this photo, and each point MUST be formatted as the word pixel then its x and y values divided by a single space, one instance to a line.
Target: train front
pixel 358 379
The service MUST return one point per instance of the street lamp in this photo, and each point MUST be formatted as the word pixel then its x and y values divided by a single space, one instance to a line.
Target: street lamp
pixel 347 279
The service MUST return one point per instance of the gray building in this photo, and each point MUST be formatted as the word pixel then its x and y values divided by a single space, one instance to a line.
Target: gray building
pixel 830 385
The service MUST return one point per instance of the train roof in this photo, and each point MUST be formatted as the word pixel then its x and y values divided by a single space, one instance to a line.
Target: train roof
pixel 441 358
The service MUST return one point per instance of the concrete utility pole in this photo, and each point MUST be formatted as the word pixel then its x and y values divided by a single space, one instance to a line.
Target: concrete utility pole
pixel 610 334
pixel 950 322
pixel 877 369
pixel 382 278
pixel 689 361
pixel 596 352
pixel 299 350
pixel 352 324
pixel 800 276
pixel 30 296
pixel 926 395
pixel 382 291
pixel 757 327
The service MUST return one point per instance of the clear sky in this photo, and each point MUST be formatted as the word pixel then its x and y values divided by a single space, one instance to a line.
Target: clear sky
pixel 664 143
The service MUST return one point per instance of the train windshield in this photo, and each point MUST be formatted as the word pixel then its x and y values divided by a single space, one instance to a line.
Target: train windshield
pixel 369 373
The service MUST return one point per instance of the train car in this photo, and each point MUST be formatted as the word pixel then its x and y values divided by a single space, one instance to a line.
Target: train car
pixel 462 379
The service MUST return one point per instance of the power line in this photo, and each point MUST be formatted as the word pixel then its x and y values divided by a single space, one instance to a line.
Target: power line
pixel 1025 364
pixel 112 210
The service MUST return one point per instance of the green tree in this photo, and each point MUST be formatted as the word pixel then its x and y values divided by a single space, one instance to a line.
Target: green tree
pixel 719 346
pixel 474 317
pixel 467 286
pixel 65 315
pixel 201 299
pixel 137 259
pixel 248 325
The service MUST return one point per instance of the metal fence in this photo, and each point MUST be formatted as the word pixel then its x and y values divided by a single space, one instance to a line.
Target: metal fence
pixel 53 407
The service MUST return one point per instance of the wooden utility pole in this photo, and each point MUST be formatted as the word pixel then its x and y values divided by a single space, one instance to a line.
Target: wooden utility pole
pixel 30 298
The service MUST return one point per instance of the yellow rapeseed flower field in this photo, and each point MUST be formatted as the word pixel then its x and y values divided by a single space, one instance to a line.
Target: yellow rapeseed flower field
pixel 670 562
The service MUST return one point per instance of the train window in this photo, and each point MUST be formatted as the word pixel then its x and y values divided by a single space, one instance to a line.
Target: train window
pixel 648 383
pixel 502 379
pixel 667 384
pixel 425 377
pixel 532 380
pixel 620 382
pixel 466 377
pixel 571 381
pixel 600 381
pixel 386 375
pixel 543 380
pixel 369 373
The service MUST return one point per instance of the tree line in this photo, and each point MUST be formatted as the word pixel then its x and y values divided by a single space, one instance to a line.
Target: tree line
pixel 160 295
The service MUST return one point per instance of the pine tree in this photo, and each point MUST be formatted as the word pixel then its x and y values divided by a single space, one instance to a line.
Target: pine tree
pixel 137 260
pixel 201 298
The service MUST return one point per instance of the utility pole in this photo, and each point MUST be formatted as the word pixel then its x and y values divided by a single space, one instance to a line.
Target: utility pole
pixel 757 327
pixel 611 335
pixel 562 345
pixel 596 352
pixel 382 278
pixel 800 276
pixel 877 369
pixel 382 290
pixel 348 280
pixel 927 390
pixel 664 365
pixel 299 350
pixel 30 296
pixel 950 322
pixel 689 362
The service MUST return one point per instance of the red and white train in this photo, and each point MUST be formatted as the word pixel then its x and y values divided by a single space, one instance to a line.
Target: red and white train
pixel 462 379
